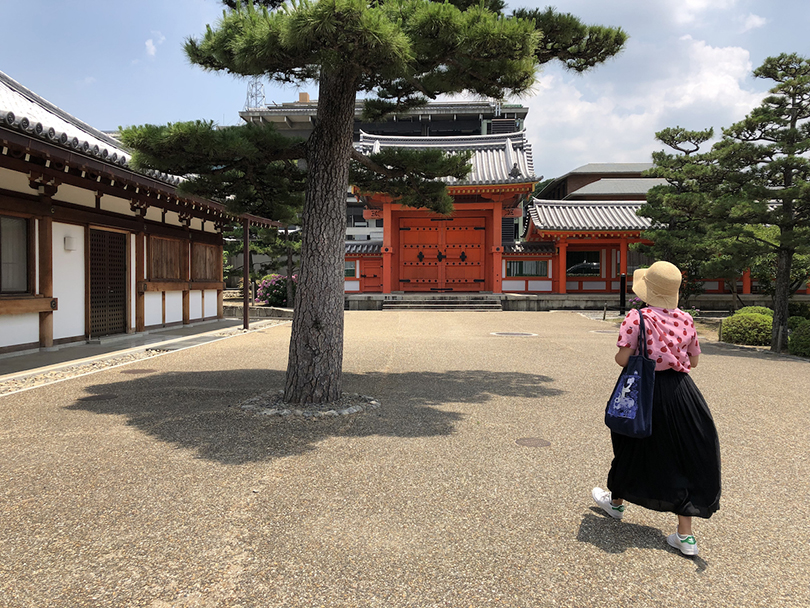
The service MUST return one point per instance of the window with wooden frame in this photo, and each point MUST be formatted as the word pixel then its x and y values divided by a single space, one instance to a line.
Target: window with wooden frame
pixel 205 262
pixel 527 268
pixel 166 259
pixel 350 269
pixel 13 255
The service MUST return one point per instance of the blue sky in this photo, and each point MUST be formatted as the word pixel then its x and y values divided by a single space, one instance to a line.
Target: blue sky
pixel 688 62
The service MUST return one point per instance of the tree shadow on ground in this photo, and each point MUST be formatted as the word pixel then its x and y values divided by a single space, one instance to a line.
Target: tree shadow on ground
pixel 200 410
pixel 748 352
pixel 612 536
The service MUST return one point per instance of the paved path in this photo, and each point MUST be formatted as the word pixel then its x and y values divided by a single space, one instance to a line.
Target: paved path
pixel 151 489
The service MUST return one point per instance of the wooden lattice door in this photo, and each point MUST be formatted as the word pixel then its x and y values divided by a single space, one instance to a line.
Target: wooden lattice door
pixel 108 283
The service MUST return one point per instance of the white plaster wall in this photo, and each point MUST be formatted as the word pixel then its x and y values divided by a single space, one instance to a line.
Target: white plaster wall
pixel 210 303
pixel 196 224
pixel 153 308
pixel 174 306
pixel 513 285
pixel 116 205
pixel 173 219
pixel 154 214
pixel 68 281
pixel 351 286
pixel 195 305
pixel 19 329
pixel 539 285
pixel 77 196
pixel 14 180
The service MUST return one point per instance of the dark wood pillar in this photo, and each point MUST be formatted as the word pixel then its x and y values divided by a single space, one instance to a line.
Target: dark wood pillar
pixel 140 278
pixel 246 274
pixel 188 261
pixel 46 279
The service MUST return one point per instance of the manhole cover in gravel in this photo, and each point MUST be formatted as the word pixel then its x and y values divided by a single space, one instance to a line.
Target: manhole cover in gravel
pixel 512 333
pixel 533 442
pixel 102 397
pixel 137 371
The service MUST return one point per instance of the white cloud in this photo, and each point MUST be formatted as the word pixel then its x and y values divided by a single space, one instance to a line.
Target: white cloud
pixel 154 42
pixel 689 11
pixel 87 80
pixel 577 120
pixel 752 22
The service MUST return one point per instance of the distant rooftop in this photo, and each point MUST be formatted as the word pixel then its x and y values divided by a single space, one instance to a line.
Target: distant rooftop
pixel 612 168
pixel 497 159
pixel 618 186
pixel 571 216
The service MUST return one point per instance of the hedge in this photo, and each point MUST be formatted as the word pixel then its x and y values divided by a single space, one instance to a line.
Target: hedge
pixel 799 343
pixel 750 329
pixel 755 310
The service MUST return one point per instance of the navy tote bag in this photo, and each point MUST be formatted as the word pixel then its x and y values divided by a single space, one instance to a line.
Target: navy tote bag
pixel 629 410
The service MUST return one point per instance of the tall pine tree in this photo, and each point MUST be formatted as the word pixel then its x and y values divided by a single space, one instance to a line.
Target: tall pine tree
pixel 401 54
pixel 751 192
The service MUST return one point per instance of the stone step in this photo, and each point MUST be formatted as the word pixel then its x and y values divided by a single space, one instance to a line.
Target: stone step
pixel 442 304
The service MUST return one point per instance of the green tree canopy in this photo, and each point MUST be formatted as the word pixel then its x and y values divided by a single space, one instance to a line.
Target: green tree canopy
pixel 399 54
pixel 751 191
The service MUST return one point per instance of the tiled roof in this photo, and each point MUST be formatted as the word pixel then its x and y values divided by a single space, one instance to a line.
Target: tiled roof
pixel 529 248
pixel 612 168
pixel 570 216
pixel 360 247
pixel 24 111
pixel 497 159
pixel 618 186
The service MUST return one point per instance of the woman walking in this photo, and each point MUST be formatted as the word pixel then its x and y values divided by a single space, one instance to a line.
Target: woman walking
pixel 677 468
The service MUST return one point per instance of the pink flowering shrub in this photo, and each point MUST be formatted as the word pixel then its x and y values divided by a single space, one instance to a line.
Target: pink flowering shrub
pixel 272 290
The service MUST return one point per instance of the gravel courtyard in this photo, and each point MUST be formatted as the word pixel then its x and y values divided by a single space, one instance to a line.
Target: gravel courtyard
pixel 147 485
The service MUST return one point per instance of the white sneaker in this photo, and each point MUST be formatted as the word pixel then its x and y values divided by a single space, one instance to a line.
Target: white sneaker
pixel 603 499
pixel 685 544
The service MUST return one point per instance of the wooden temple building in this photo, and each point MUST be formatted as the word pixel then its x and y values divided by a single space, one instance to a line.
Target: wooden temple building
pixel 90 247
pixel 423 251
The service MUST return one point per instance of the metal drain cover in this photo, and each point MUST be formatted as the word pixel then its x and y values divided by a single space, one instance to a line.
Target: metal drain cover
pixel 533 442
pixel 101 397
pixel 138 371
pixel 512 333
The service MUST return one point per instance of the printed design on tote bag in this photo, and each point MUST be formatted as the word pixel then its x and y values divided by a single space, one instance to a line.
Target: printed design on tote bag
pixel 624 403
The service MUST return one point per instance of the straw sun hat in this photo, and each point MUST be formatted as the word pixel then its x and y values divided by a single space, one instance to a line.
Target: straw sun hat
pixel 658 285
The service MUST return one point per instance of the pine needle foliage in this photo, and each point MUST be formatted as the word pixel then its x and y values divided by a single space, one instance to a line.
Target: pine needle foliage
pixel 748 197
pixel 399 54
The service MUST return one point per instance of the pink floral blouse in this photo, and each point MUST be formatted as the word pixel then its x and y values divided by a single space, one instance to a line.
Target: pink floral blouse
pixel 671 337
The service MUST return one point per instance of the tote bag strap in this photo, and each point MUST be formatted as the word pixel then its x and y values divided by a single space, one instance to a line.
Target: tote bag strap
pixel 641 348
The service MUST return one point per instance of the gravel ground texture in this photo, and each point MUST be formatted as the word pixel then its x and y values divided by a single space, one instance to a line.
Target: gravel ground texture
pixel 147 485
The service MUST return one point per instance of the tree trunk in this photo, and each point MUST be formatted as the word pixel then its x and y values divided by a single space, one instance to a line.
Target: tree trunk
pixel 290 292
pixel 315 365
pixel 784 259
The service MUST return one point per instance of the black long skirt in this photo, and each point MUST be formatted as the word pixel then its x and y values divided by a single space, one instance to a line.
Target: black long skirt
pixel 677 468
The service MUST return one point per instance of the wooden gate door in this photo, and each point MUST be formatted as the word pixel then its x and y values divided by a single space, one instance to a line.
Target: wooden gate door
pixel 108 283
pixel 438 254
pixel 371 275
pixel 464 240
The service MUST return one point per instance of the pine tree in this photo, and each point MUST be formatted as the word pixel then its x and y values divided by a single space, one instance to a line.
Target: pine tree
pixel 751 192
pixel 766 175
pixel 401 53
